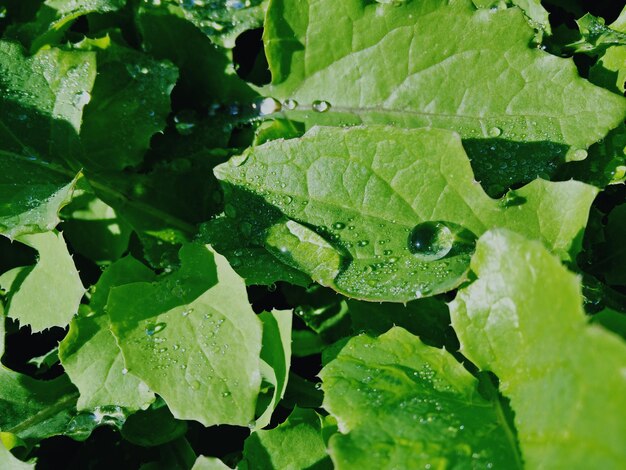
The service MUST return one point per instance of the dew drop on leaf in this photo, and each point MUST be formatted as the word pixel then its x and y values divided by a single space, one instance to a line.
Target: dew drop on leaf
pixel 154 328
pixel 430 241
pixel 320 106
pixel 495 132
pixel 579 155
pixel 290 104
pixel 268 106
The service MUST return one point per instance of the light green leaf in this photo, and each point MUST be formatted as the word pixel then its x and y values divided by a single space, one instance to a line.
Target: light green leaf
pixel 359 198
pixel 275 359
pixel 295 444
pixel 55 16
pixel 90 355
pixel 523 320
pixel 537 15
pixel 193 338
pixel 32 194
pixel 436 63
pixel 130 102
pixel 402 404
pixel 35 409
pixel 9 462
pixel 42 99
pixel 209 463
pixel 47 294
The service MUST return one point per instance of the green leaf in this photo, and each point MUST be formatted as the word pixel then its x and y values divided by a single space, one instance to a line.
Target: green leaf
pixel 596 37
pixel 209 463
pixel 523 320
pixel 193 338
pixel 94 229
pixel 90 355
pixel 537 15
pixel 295 444
pixel 154 426
pixel 435 63
pixel 254 263
pixel 2 329
pixel 221 20
pixel 49 293
pixel 55 16
pixel 613 258
pixel 34 409
pixel 207 75
pixel 32 194
pixel 275 359
pixel 610 70
pixel 42 99
pixel 9 462
pixel 357 196
pixel 402 404
pixel 130 102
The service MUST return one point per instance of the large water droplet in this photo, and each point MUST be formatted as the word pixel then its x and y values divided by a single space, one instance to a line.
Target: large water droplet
pixel 320 106
pixel 579 155
pixel 430 241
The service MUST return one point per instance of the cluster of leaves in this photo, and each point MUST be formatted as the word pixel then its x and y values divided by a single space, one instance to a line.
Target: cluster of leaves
pixel 312 234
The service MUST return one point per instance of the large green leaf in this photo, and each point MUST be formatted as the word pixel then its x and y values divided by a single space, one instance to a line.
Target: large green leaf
pixel 130 102
pixel 402 404
pixel 359 199
pixel 90 355
pixel 209 463
pixel 42 99
pixel 2 329
pixel 295 444
pixel 207 75
pixel 193 338
pixel 437 63
pixel 34 409
pixel 47 294
pixel 523 320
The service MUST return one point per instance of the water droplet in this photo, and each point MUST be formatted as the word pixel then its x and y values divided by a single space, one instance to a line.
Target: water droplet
pixel 268 106
pixel 318 385
pixel 81 99
pixel 290 104
pixel 252 424
pixel 154 328
pixel 124 371
pixel 495 132
pixel 187 311
pixel 194 384
pixel 339 225
pixel 512 199
pixel 430 241
pixel 362 243
pixel 579 155
pixel 387 252
pixel 185 122
pixel 320 106
pixel 226 394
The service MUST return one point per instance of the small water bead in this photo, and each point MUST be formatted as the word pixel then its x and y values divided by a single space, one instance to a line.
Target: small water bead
pixel 362 243
pixel 268 106
pixel 495 132
pixel 579 155
pixel 339 225
pixel 226 394
pixel 320 106
pixel 154 328
pixel 387 252
pixel 187 311
pixel 430 241
pixel 124 371
pixel 290 104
